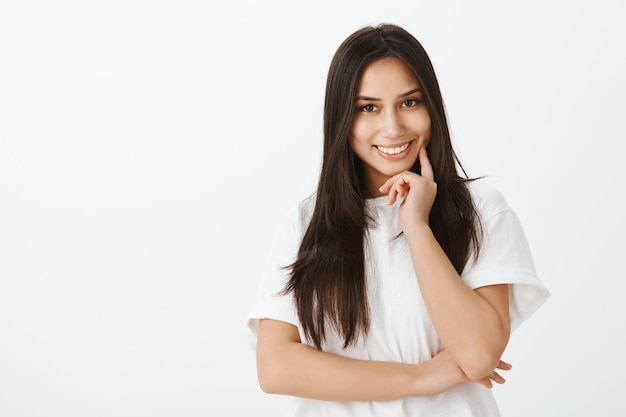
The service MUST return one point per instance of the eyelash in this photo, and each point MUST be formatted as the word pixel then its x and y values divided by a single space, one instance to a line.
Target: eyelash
pixel 369 108
pixel 414 101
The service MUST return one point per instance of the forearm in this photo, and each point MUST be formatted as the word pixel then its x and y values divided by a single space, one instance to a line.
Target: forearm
pixel 303 371
pixel 470 328
pixel 286 366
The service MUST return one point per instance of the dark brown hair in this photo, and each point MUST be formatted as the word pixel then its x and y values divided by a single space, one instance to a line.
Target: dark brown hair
pixel 328 277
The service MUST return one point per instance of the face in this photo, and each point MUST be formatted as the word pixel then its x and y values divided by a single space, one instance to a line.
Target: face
pixel 391 122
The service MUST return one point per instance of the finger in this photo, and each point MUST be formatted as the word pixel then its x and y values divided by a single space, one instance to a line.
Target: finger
pixel 427 168
pixel 392 194
pixel 386 186
pixel 496 377
pixel 486 382
pixel 401 189
pixel 391 187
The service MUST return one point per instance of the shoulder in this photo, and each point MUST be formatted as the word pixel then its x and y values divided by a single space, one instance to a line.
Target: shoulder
pixel 297 217
pixel 488 200
pixel 306 207
pixel 291 227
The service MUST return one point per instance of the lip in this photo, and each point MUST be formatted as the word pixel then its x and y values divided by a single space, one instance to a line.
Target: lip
pixel 395 156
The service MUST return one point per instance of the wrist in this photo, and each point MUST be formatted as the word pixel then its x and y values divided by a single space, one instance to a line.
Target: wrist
pixel 417 229
pixel 427 379
pixel 437 375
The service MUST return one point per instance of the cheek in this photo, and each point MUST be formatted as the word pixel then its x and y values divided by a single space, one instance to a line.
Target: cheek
pixel 359 134
pixel 427 135
pixel 424 128
pixel 419 122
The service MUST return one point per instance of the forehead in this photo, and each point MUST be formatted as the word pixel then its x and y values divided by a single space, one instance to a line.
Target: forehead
pixel 387 74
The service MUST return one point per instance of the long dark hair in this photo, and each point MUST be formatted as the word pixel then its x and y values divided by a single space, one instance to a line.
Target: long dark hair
pixel 328 277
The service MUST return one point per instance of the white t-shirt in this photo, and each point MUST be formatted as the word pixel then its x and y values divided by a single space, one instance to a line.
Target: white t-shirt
pixel 401 329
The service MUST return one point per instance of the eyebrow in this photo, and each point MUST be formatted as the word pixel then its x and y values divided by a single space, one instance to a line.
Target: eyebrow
pixel 408 93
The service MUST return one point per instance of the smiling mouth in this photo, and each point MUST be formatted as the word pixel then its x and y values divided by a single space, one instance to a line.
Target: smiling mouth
pixel 393 150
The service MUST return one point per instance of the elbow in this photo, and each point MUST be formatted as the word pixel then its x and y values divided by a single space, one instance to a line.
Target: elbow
pixel 268 382
pixel 267 386
pixel 479 368
pixel 482 359
pixel 273 374
pixel 480 363
pixel 274 357
pixel 268 379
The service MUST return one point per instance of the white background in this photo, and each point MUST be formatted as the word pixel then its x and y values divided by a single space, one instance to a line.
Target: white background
pixel 148 149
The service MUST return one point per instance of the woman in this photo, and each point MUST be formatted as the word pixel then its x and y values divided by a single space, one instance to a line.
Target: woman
pixel 393 290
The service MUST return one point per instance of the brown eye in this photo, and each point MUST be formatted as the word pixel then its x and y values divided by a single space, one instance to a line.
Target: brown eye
pixel 368 108
pixel 410 102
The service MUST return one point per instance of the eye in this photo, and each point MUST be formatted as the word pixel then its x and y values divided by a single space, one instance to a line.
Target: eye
pixel 411 102
pixel 368 108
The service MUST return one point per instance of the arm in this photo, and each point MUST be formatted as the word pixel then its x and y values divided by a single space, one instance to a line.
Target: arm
pixel 286 366
pixel 473 325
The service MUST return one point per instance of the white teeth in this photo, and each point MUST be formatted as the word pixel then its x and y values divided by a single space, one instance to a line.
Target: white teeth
pixel 393 151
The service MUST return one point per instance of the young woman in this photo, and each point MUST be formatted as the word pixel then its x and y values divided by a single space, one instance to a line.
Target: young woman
pixel 393 290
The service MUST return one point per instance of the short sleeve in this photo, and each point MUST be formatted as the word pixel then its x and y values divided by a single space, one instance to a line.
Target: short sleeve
pixel 270 302
pixel 505 258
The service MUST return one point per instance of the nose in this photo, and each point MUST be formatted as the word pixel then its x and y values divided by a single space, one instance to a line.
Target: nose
pixel 392 126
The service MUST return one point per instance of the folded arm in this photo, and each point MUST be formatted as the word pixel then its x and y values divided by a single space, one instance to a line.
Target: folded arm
pixel 287 366
pixel 473 325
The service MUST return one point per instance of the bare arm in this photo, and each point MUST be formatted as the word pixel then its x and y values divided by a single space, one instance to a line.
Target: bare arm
pixel 286 366
pixel 473 325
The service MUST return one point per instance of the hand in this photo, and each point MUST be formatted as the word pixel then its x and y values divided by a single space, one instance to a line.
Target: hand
pixel 418 192
pixel 445 374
